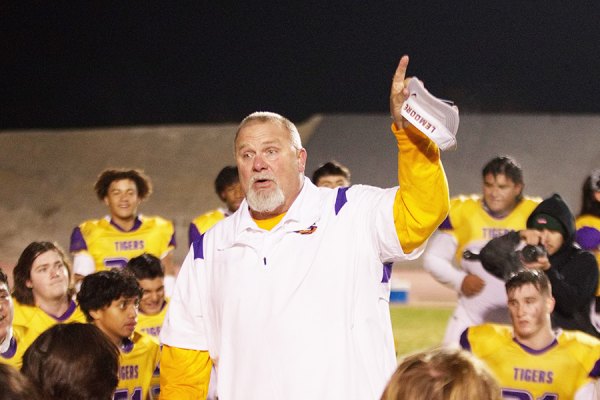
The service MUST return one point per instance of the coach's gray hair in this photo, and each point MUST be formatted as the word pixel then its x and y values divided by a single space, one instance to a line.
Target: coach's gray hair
pixel 266 116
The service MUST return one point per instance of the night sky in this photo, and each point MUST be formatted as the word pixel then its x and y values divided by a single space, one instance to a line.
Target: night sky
pixel 143 63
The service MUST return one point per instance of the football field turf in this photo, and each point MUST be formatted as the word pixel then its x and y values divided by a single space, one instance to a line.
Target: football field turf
pixel 418 327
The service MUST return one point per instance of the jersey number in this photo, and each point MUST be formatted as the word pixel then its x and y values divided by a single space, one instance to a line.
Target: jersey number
pixel 123 394
pixel 513 394
pixel 115 262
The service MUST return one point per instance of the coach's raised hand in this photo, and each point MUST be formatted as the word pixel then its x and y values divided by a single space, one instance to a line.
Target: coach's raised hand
pixel 399 92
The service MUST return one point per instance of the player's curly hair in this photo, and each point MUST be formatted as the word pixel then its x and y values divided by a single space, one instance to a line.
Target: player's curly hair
pixel 442 374
pixel 108 176
pixel 100 289
pixel 22 271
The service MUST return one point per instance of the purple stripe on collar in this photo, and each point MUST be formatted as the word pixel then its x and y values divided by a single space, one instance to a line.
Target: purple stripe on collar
pixel 595 373
pixel 387 272
pixel 534 351
pixel 136 225
pixel 464 340
pixel 126 345
pixel 12 349
pixel 340 199
pixel 446 224
pixel 198 247
pixel 67 314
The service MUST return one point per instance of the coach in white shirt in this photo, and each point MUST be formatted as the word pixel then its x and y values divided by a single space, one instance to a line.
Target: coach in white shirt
pixel 283 296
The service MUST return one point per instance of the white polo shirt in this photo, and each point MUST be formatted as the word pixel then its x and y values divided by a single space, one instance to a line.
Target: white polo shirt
pixel 295 312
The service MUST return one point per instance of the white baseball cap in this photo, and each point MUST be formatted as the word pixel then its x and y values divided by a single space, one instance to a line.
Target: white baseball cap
pixel 434 117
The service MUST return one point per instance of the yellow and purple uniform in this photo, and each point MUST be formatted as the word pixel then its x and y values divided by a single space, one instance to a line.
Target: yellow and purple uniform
pixel 469 226
pixel 472 226
pixel 204 222
pixel 19 342
pixel 138 367
pixel 109 246
pixel 556 372
pixel 151 324
pixel 36 320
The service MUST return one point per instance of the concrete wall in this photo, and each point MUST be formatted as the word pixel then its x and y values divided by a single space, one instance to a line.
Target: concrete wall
pixel 556 151
pixel 46 177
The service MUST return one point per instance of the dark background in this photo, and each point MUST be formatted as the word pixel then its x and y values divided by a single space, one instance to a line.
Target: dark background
pixel 79 64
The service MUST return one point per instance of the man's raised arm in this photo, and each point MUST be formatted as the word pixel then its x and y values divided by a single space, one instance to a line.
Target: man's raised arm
pixel 422 201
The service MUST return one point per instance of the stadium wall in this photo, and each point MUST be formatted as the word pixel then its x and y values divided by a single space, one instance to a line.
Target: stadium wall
pixel 47 176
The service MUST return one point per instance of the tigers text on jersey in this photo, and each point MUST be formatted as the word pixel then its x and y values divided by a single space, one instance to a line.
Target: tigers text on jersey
pixel 110 246
pixel 138 368
pixel 151 324
pixel 553 373
pixel 282 315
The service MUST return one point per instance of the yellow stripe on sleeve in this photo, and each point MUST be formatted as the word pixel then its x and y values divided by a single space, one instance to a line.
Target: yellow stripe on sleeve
pixel 422 201
pixel 184 374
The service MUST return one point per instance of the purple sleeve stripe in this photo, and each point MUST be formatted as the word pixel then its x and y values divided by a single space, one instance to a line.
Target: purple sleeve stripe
pixel 77 241
pixel 173 242
pixel 12 349
pixel 464 340
pixel 595 373
pixel 446 225
pixel 193 234
pixel 340 199
pixel 387 272
pixel 198 247
pixel 588 238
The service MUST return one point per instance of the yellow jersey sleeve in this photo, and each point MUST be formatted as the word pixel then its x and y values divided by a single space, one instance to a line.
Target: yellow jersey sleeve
pixel 184 373
pixel 422 200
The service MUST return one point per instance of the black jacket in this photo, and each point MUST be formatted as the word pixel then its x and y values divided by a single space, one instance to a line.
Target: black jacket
pixel 573 272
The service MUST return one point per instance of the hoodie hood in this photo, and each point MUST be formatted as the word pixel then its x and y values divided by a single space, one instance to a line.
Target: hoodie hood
pixel 557 208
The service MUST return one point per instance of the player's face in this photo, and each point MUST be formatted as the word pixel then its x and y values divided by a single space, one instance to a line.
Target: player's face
pixel 6 310
pixel 153 297
pixel 118 320
pixel 233 196
pixel 271 169
pixel 332 181
pixel 500 194
pixel 529 311
pixel 122 199
pixel 551 240
pixel 49 277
